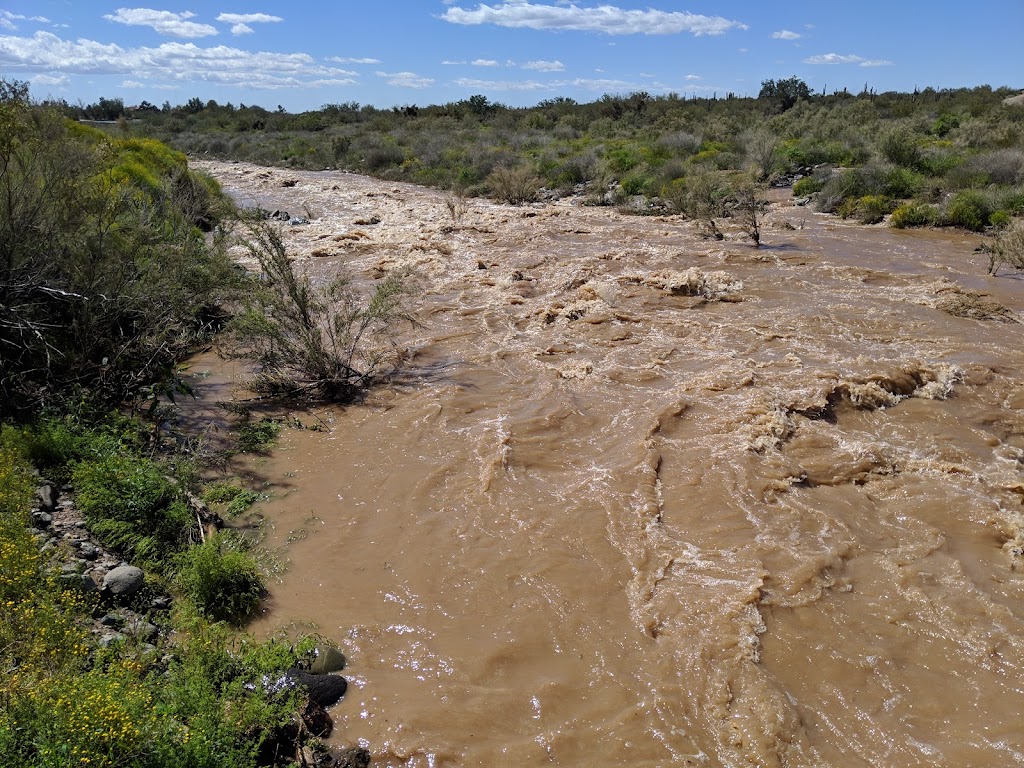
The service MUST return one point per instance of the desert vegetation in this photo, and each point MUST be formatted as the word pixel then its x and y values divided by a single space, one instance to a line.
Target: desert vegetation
pixel 113 265
pixel 928 158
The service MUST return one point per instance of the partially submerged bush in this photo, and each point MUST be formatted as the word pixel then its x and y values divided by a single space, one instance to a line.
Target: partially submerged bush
pixel 1008 247
pixel 968 209
pixel 514 186
pixel 913 215
pixel 321 340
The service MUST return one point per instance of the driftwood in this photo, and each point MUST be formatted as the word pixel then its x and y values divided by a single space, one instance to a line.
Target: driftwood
pixel 209 522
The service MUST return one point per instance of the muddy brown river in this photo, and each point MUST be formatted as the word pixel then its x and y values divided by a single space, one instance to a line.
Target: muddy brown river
pixel 642 499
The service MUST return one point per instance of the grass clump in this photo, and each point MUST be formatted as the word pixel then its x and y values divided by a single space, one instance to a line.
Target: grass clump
pixel 257 436
pixel 221 578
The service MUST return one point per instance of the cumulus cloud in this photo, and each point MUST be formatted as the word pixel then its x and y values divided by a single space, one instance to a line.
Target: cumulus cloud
pixel 606 19
pixel 176 62
pixel 694 77
pixel 544 66
pixel 852 58
pixel 406 79
pixel 248 18
pixel 241 29
pixel 484 63
pixel 164 22
pixel 785 34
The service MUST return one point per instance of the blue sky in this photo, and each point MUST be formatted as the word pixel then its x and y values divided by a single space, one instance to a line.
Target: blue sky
pixel 302 55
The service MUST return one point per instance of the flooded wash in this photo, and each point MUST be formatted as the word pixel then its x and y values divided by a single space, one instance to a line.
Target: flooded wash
pixel 642 499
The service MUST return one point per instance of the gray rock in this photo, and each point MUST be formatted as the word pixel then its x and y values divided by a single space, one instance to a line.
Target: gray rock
pixel 161 603
pixel 141 629
pixel 42 519
pixel 80 581
pixel 108 640
pixel 47 496
pixel 124 581
pixel 298 221
pixel 89 550
pixel 327 659
pixel 111 620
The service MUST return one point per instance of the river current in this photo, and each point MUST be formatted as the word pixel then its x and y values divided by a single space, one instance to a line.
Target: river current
pixel 644 499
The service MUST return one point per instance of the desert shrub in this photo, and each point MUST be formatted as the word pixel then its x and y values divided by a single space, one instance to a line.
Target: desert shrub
pixel 322 340
pixel 850 185
pixel 1011 200
pixel 634 184
pixel 903 183
pixel 220 578
pixel 900 147
pixel 869 209
pixel 968 209
pixel 514 186
pixel 1000 219
pixel 808 185
pixel 913 215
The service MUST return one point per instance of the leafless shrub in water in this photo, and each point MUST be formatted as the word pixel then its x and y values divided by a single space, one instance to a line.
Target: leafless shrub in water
pixel 457 205
pixel 513 185
pixel 322 340
pixel 1007 248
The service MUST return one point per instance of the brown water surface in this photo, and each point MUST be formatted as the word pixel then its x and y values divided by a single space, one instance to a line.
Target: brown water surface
pixel 647 500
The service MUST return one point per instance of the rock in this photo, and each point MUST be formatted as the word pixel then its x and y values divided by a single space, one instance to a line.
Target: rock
pixel 108 640
pixel 89 550
pixel 327 659
pixel 280 216
pixel 111 620
pixel 316 720
pixel 161 603
pixel 325 690
pixel 298 220
pixel 124 581
pixel 352 757
pixel 141 629
pixel 42 519
pixel 47 496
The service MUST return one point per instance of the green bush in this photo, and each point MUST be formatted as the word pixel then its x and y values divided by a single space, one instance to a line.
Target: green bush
pixel 221 579
pixel 968 209
pixel 913 215
pixel 869 209
pixel 808 185
pixel 131 507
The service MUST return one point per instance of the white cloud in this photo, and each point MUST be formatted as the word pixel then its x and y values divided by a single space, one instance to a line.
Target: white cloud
pixel 349 60
pixel 132 84
pixel 484 63
pixel 834 58
pixel 449 63
pixel 544 66
pixel 406 79
pixel 248 18
pixel 241 29
pixel 694 77
pixel 164 22
pixel 875 63
pixel 606 19
pixel 7 19
pixel 600 86
pixel 175 62
pixel 50 80
pixel 785 34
